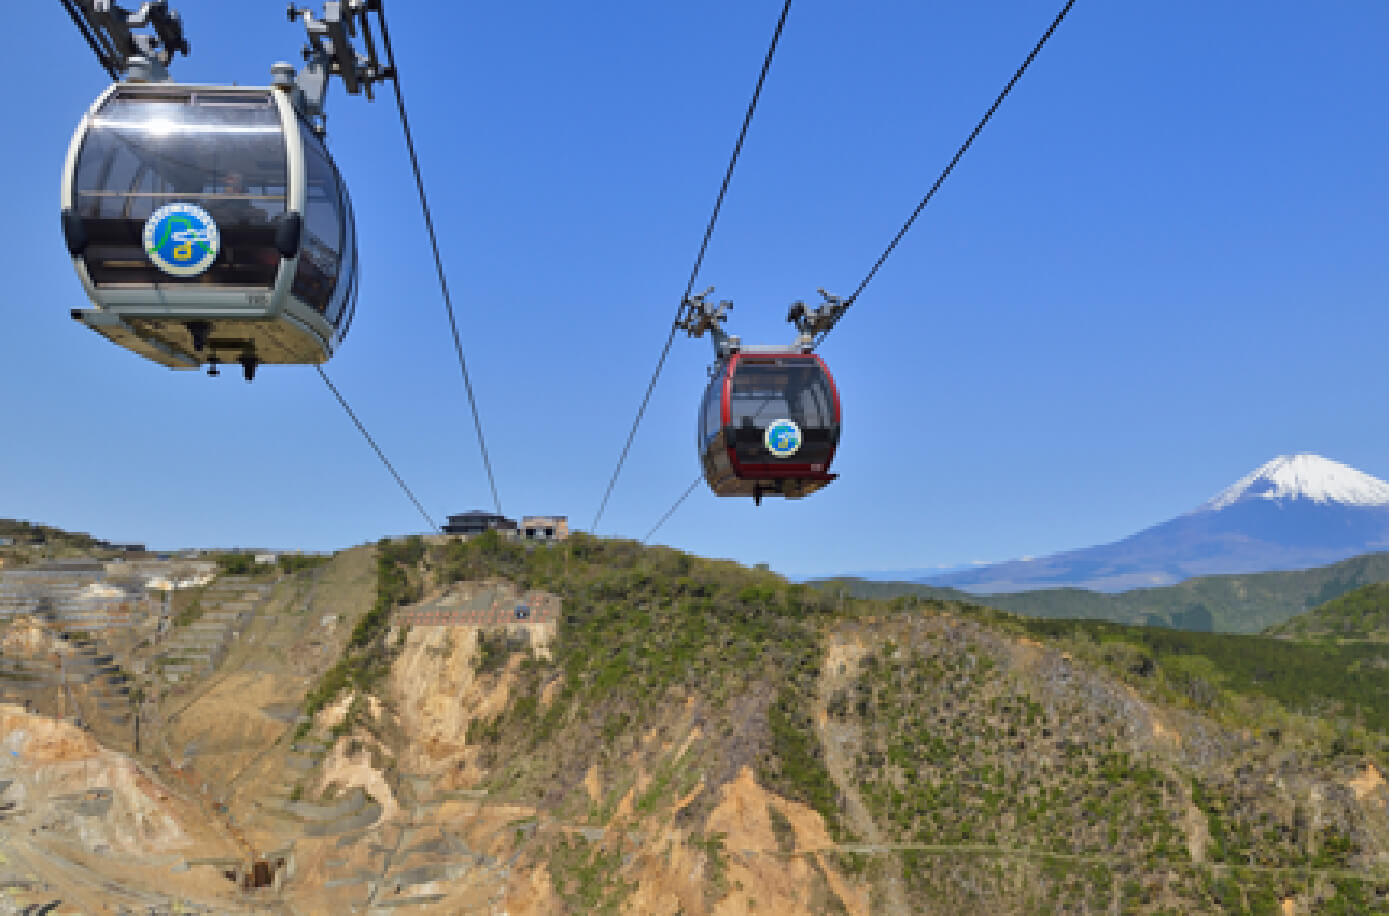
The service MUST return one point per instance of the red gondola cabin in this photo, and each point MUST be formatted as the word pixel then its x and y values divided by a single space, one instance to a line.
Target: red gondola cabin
pixel 769 425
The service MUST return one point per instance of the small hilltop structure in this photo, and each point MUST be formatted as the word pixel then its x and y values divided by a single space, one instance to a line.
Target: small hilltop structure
pixel 532 527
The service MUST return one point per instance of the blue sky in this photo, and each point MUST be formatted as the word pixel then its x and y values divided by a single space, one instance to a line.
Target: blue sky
pixel 1162 264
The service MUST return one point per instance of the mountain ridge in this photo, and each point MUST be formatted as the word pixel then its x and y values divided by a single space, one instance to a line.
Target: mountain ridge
pixel 1360 614
pixel 1239 603
pixel 1293 512
pixel 676 734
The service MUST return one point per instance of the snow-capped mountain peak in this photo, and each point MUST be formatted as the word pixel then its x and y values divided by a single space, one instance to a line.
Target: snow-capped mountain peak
pixel 1309 476
pixel 1294 512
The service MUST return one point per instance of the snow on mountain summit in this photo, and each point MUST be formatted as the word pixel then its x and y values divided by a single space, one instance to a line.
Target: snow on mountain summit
pixel 1310 476
pixel 1294 512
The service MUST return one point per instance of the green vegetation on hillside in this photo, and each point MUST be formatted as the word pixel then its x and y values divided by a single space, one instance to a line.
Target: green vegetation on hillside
pixel 238 564
pixel 241 563
pixel 997 755
pixel 968 759
pixel 27 534
pixel 644 631
pixel 1359 615
pixel 1223 604
pixel 367 657
pixel 955 753
pixel 965 758
pixel 586 876
pixel 1308 679
pixel 191 611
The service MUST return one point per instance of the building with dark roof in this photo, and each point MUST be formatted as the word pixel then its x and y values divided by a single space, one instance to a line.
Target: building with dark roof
pixel 477 522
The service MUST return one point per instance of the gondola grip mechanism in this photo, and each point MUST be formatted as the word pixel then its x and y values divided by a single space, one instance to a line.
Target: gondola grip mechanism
pixel 330 52
pixel 699 316
pixel 109 30
pixel 810 322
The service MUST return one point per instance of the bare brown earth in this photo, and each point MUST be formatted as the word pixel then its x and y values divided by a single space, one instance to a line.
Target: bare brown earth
pixel 99 831
pixel 836 736
pixel 215 797
pixel 376 805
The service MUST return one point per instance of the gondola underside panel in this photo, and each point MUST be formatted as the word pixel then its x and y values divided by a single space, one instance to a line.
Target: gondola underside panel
pixel 168 342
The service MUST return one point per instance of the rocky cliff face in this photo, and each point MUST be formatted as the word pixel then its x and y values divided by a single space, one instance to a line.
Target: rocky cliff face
pixel 685 736
pixel 96 830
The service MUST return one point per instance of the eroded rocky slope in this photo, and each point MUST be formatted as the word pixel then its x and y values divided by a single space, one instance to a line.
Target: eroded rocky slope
pixel 671 735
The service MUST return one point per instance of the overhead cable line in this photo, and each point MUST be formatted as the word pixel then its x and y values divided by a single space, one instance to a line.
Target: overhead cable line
pixel 696 267
pixel 435 248
pixel 115 34
pixel 96 40
pixel 827 316
pixel 362 429
pixel 961 150
pixel 668 514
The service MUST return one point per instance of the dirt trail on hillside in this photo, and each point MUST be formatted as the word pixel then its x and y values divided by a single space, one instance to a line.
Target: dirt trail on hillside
pixel 838 672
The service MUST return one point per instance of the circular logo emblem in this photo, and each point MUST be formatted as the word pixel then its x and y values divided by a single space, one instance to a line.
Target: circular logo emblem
pixel 181 239
pixel 783 438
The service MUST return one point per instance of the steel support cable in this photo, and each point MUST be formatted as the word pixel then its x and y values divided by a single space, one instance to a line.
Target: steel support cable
pixel 917 210
pixel 681 499
pixel 95 41
pixel 670 512
pixel 435 248
pixel 696 267
pixel 362 429
pixel 961 150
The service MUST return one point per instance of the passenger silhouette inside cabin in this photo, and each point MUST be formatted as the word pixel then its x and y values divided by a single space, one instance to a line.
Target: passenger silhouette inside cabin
pixel 234 203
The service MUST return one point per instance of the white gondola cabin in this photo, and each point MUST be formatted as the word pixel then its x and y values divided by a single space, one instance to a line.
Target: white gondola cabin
pixel 208 224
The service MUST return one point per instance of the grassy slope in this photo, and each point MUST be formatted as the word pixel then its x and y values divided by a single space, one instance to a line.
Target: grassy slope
pixel 965 747
pixel 1013 786
pixel 1348 680
pixel 1223 604
pixel 1358 615
pixel 645 629
pixel 24 532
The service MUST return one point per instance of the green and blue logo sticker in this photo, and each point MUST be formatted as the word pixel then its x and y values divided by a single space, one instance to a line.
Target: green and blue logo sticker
pixel 181 239
pixel 783 438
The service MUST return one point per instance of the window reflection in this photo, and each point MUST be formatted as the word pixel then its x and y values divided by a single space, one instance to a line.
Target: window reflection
pixel 222 152
pixel 321 241
pixel 777 388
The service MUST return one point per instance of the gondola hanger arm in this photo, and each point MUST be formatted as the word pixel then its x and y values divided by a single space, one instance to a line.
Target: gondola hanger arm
pixel 330 52
pixel 110 31
pixel 814 324
pixel 699 315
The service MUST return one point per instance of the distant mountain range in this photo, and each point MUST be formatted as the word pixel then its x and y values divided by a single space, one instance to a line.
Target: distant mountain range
pixel 1247 603
pixel 1294 512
